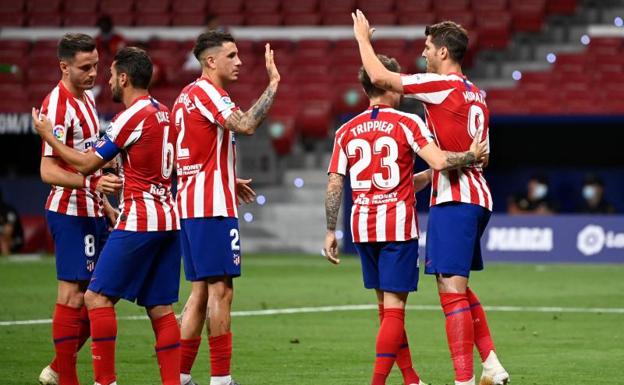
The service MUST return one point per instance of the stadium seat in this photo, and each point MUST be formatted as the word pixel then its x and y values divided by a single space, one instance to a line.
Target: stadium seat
pixel 292 19
pixel 189 6
pixel 314 119
pixel 43 75
pixel 12 20
pixel 283 133
pixel 13 8
pixel 116 7
pixel 43 6
pixel 154 6
pixel 80 6
pixel 385 18
pixel 494 29
pixel 300 6
pixel 463 18
pixel 450 5
pixel 349 99
pixel 606 46
pixel 220 7
pixel 375 6
pixel 267 19
pixel 122 18
pixel 262 7
pixel 338 18
pixel 79 19
pixel 152 19
pixel 403 6
pixel 227 19
pixel 36 93
pixel 20 47
pixel 48 19
pixel 489 5
pixel 561 7
pixel 416 18
pixel 188 19
pixel 36 235
pixel 337 6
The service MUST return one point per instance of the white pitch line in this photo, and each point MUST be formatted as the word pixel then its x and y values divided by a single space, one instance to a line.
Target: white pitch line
pixel 325 309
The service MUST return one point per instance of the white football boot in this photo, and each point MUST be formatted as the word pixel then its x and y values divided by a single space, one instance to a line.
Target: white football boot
pixel 48 376
pixel 186 379
pixel 493 372
pixel 469 382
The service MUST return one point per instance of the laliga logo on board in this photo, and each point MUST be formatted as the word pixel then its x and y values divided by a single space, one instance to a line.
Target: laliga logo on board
pixel 593 239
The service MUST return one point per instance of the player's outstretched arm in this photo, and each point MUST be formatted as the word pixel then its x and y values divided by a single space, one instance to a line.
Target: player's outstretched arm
pixel 53 174
pixel 246 122
pixel 84 162
pixel 333 199
pixel 421 180
pixel 378 74
pixel 446 160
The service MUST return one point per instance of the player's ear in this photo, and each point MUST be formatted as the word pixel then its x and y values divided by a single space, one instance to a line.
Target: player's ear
pixel 64 65
pixel 123 79
pixel 443 52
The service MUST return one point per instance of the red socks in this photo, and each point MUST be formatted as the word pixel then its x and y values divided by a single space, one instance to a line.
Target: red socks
pixel 459 333
pixel 65 332
pixel 189 350
pixel 167 347
pixel 482 336
pixel 103 336
pixel 404 357
pixel 220 354
pixel 389 340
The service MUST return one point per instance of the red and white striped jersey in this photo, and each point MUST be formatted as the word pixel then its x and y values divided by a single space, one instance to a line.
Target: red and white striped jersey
pixel 75 124
pixel 455 109
pixel 143 136
pixel 377 148
pixel 206 152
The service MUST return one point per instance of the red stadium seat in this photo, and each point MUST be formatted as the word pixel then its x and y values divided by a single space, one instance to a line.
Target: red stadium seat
pixel 79 19
pixel 338 6
pixel 189 6
pixel 116 6
pixel 166 95
pixel 12 8
pixel 44 45
pixel 20 47
pixel 416 18
pixel 527 5
pixel 283 133
pixel 228 19
pixel 36 235
pixel 450 5
pixel 43 6
pixel 606 46
pixel 528 21
pixel 262 7
pixel 339 18
pixel 51 19
pixel 463 18
pixel 122 18
pixel 314 44
pixel 11 20
pixel 494 29
pixel 302 19
pixel 314 119
pixel 403 6
pixel 80 6
pixel 263 19
pixel 155 19
pixel 154 6
pixel 489 5
pixel 219 7
pixel 385 18
pixel 562 7
pixel 189 19
pixel 43 75
pixel 300 6
pixel 37 92
pixel 375 6
pixel 349 98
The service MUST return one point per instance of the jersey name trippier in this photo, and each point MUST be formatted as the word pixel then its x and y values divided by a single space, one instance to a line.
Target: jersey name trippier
pixel 377 149
pixel 455 109
pixel 206 152
pixel 75 124
pixel 145 139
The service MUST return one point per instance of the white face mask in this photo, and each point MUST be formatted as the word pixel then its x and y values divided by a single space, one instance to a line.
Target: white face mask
pixel 589 192
pixel 540 191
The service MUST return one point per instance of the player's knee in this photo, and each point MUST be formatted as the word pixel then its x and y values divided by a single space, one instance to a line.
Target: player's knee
pixel 94 300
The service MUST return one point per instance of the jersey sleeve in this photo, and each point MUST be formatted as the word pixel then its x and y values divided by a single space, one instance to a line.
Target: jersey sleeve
pixel 338 162
pixel 416 132
pixel 55 109
pixel 121 134
pixel 427 87
pixel 215 105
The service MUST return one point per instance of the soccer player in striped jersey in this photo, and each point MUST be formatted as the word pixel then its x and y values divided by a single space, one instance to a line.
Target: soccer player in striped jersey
pixel 461 202
pixel 207 122
pixel 76 206
pixel 377 148
pixel 141 259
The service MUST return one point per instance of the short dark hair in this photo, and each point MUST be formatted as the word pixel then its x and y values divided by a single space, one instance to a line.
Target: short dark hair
pixel 210 39
pixel 72 43
pixel 136 64
pixel 390 63
pixel 450 35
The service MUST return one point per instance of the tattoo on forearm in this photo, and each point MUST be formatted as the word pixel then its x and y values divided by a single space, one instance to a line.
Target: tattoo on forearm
pixel 459 159
pixel 260 110
pixel 333 199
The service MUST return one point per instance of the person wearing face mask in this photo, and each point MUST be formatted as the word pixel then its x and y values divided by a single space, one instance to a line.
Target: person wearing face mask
pixel 593 197
pixel 535 200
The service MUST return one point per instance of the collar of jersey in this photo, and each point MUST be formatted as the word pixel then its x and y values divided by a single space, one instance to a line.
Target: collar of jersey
pixel 380 106
pixel 144 97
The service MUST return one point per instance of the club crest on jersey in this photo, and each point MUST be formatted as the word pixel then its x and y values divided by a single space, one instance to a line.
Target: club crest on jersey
pixel 236 259
pixel 59 132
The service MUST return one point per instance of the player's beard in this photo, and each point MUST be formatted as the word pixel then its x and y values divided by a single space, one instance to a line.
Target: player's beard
pixel 117 93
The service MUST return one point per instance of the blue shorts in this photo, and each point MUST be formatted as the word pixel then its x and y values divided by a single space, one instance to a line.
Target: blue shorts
pixel 78 242
pixel 210 247
pixel 389 266
pixel 139 266
pixel 454 238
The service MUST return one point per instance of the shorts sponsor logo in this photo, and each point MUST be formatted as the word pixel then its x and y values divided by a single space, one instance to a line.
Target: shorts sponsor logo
pixel 520 239
pixel 362 200
pixel 592 239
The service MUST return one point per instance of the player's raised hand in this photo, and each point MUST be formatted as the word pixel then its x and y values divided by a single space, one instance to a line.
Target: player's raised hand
pixel 109 184
pixel 361 28
pixel 42 124
pixel 244 191
pixel 274 76
pixel 478 146
pixel 330 249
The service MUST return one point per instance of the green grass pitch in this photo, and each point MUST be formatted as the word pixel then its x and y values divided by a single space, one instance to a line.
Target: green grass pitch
pixel 335 348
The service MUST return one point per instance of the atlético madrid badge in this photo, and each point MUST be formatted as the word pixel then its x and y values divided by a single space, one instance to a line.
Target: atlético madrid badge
pixel 59 132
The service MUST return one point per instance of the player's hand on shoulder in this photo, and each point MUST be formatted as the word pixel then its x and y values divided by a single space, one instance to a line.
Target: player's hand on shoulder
pixel 479 147
pixel 42 124
pixel 330 248
pixel 361 28
pixel 244 190
pixel 274 76
pixel 109 184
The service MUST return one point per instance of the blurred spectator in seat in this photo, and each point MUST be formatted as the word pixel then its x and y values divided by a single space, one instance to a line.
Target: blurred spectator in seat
pixel 211 23
pixel 108 41
pixel 535 200
pixel 593 197
pixel 11 233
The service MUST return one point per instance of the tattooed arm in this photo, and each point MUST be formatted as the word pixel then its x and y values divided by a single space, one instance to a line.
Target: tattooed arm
pixel 333 199
pixel 246 122
pixel 379 75
pixel 446 160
